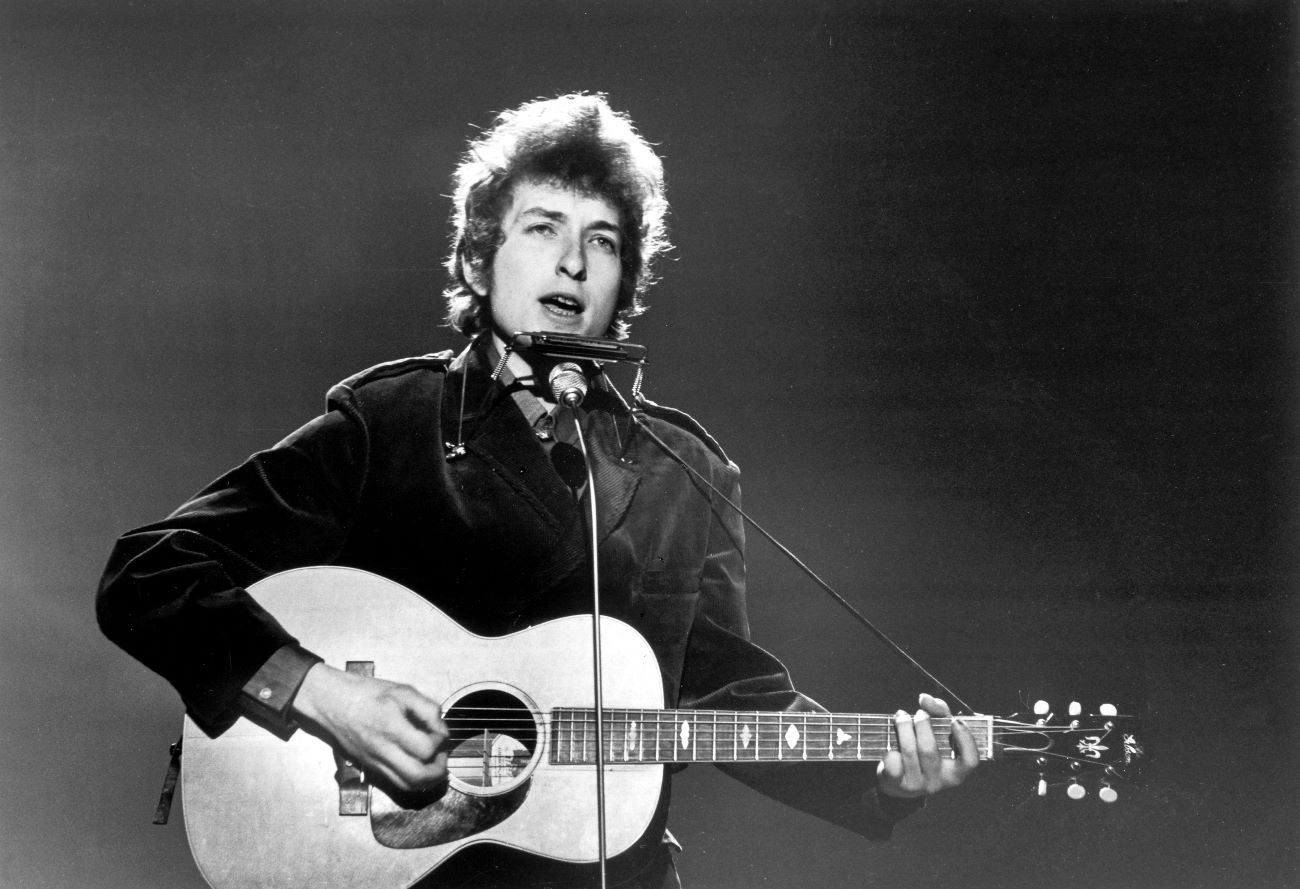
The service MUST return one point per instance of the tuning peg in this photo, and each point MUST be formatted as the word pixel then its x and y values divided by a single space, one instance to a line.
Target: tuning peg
pixel 1042 787
pixel 1076 790
pixel 1075 708
pixel 1107 793
pixel 1107 710
pixel 1042 708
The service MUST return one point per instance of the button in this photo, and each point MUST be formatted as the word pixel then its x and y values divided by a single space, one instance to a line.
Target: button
pixel 265 694
pixel 544 434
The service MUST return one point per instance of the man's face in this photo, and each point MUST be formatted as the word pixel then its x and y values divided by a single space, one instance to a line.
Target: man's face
pixel 558 268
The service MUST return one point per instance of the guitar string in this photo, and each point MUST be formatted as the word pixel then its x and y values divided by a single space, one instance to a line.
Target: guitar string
pixel 770 721
pixel 814 721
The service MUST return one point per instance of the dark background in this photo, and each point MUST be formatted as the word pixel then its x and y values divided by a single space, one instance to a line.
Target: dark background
pixel 991 302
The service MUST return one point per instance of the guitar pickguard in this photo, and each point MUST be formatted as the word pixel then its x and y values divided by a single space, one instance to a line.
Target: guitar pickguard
pixel 455 816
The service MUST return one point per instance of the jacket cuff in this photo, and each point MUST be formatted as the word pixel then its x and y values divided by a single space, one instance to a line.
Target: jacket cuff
pixel 265 699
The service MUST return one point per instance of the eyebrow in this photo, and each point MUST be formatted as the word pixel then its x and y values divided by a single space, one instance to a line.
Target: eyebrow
pixel 556 216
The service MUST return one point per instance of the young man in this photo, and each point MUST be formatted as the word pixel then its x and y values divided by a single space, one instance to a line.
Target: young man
pixel 436 472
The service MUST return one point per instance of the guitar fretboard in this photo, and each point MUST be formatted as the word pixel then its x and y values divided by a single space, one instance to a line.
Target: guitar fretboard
pixel 664 736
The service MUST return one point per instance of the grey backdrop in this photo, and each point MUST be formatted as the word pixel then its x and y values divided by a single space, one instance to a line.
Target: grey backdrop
pixel 992 307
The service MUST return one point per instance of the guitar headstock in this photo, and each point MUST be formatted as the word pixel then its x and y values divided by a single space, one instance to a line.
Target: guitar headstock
pixel 1098 749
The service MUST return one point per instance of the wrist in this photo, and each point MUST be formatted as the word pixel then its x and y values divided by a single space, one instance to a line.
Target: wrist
pixel 307 704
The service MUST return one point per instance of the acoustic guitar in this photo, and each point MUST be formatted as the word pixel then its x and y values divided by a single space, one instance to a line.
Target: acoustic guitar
pixel 261 812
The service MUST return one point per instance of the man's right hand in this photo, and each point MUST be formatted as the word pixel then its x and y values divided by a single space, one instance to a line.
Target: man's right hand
pixel 392 731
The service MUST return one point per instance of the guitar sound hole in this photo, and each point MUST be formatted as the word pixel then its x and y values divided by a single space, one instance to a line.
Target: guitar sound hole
pixel 493 741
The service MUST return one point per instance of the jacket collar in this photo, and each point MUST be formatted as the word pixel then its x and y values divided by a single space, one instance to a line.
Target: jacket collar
pixel 479 413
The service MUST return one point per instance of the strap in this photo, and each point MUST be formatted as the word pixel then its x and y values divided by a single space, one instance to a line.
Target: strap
pixel 164 809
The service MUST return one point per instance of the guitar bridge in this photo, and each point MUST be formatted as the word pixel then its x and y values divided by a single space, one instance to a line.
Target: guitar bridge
pixel 354 792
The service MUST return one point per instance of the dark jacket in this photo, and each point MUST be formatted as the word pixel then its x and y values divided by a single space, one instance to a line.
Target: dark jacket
pixel 494 538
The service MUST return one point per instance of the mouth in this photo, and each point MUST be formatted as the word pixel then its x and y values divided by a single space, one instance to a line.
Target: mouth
pixel 561 304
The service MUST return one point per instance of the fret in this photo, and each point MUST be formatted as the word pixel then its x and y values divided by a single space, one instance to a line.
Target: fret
pixel 815 744
pixel 767 736
pixel 840 731
pixel 557 734
pixel 746 736
pixel 660 755
pixel 573 735
pixel 566 726
pixel 640 740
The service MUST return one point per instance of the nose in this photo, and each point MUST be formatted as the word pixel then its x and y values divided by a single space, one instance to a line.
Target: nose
pixel 573 261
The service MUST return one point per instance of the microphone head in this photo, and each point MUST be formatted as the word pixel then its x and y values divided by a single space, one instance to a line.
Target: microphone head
pixel 568 384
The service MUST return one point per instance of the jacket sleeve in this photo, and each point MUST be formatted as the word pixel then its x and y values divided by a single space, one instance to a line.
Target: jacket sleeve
pixel 724 670
pixel 174 592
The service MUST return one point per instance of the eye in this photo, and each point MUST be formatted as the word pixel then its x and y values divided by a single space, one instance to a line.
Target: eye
pixel 541 228
pixel 606 243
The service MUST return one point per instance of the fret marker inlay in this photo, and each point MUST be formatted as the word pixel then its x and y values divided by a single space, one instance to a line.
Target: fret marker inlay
pixel 744 737
pixel 841 736
pixel 686 734
pixel 792 736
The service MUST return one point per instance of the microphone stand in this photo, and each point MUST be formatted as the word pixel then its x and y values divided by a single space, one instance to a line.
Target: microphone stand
pixel 570 397
pixel 597 678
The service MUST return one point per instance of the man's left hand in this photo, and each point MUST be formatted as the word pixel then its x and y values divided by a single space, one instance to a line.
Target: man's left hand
pixel 917 768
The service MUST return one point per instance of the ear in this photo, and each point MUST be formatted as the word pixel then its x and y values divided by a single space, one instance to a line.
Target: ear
pixel 474 277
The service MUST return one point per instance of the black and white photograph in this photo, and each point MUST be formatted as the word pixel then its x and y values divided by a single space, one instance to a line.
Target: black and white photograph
pixel 674 445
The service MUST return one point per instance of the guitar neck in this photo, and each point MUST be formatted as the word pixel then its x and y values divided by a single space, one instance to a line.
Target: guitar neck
pixel 685 736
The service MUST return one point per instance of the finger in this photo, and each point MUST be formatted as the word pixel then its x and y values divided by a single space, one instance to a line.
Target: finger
pixel 416 741
pixel 927 751
pixel 906 734
pixel 406 772
pixel 963 742
pixel 420 709
pixel 934 706
pixel 422 731
pixel 889 775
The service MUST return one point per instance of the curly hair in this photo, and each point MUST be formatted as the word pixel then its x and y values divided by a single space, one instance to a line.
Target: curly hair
pixel 575 140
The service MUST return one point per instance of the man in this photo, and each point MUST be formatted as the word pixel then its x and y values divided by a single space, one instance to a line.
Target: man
pixel 436 473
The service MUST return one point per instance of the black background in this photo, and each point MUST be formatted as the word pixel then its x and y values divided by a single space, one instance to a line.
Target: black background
pixel 991 302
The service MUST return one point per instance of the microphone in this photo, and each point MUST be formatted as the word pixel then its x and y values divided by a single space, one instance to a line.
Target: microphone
pixel 568 384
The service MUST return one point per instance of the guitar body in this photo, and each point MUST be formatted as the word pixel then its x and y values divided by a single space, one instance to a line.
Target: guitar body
pixel 261 812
